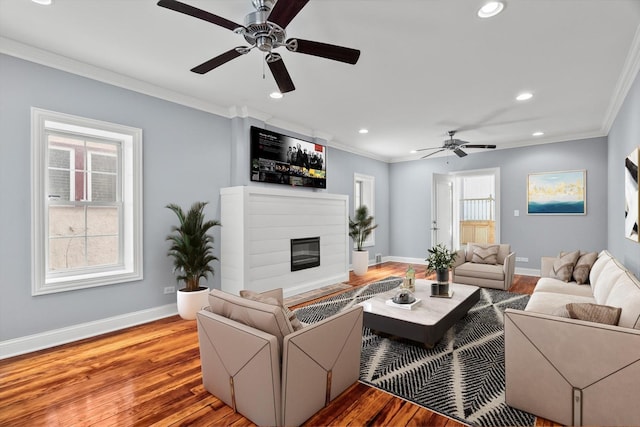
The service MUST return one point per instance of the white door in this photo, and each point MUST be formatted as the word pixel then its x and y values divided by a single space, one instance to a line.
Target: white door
pixel 442 211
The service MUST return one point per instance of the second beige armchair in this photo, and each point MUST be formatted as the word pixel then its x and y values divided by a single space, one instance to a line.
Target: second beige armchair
pixel 485 265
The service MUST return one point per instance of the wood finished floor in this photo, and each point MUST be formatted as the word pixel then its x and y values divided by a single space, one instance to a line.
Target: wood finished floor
pixel 150 375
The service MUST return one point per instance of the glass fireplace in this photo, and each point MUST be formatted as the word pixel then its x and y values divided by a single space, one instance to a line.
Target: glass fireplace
pixel 305 253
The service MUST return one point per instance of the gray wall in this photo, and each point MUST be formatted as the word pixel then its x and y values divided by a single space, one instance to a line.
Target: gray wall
pixel 186 158
pixel 623 138
pixel 530 236
pixel 341 166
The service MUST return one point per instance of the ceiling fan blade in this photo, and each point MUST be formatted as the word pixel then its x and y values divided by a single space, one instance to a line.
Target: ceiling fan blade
pixel 198 13
pixel 285 10
pixel 324 50
pixel 280 73
pixel 459 152
pixel 479 146
pixel 431 154
pixel 430 148
pixel 205 67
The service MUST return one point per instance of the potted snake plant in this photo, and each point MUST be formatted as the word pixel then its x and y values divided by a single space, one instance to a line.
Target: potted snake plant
pixel 192 253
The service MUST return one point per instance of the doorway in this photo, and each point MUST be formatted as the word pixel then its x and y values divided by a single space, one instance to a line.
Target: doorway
pixel 466 208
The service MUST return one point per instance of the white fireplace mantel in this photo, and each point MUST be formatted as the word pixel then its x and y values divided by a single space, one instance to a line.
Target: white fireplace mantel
pixel 258 224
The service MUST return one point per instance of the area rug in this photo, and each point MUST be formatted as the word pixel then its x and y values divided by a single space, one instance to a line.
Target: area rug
pixel 462 377
pixel 315 293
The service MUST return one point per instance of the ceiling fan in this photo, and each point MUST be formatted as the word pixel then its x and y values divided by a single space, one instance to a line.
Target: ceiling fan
pixel 454 145
pixel 265 29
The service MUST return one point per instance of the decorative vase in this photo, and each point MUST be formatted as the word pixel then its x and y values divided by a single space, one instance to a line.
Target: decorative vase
pixel 189 303
pixel 442 275
pixel 360 262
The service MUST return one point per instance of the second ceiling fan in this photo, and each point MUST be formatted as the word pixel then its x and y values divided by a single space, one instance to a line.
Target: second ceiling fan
pixel 454 145
pixel 266 29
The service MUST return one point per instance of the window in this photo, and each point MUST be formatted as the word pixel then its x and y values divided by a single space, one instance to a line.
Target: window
pixel 86 201
pixel 363 194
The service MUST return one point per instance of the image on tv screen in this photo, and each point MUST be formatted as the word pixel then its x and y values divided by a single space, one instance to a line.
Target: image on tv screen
pixel 282 159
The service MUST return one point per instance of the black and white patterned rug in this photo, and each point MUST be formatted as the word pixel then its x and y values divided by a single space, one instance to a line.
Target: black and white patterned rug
pixel 462 377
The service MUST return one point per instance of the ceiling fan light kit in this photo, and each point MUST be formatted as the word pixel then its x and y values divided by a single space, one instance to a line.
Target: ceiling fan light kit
pixel 265 29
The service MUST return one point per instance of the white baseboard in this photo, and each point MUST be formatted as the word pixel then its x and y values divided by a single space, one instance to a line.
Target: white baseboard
pixel 30 343
pixel 527 271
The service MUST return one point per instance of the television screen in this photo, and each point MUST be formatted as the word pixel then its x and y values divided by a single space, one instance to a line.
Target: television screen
pixel 286 160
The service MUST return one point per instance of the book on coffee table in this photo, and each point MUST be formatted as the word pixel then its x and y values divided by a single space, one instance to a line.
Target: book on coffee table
pixel 404 306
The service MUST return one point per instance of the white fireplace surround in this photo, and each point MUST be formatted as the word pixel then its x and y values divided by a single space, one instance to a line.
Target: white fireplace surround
pixel 258 224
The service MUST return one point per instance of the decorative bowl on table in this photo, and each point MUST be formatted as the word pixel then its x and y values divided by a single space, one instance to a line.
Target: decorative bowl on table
pixel 403 296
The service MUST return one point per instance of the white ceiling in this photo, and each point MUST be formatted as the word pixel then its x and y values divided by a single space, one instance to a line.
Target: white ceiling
pixel 427 66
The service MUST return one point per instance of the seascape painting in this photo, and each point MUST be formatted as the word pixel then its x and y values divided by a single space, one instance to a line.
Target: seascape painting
pixel 557 193
pixel 631 195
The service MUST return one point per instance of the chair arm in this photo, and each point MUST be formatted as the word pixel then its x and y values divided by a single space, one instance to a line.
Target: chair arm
pixel 546 264
pixel 570 371
pixel 460 258
pixel 509 268
pixel 319 362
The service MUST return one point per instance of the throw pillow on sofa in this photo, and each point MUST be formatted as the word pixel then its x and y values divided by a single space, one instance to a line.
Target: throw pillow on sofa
pixel 583 267
pixel 594 313
pixel 485 254
pixel 563 266
pixel 291 316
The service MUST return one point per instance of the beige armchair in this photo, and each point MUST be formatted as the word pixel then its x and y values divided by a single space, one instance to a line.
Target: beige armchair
pixel 254 362
pixel 485 265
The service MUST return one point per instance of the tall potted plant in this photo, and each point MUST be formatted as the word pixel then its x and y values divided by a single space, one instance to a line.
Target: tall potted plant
pixel 359 229
pixel 440 260
pixel 192 252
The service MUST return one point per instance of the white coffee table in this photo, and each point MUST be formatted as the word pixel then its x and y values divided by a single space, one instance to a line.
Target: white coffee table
pixel 427 321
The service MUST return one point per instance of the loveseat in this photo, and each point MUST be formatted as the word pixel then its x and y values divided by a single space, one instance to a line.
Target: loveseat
pixel 563 364
pixel 485 265
pixel 258 359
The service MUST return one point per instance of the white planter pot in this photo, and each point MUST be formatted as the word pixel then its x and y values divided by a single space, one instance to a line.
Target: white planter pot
pixel 189 303
pixel 360 262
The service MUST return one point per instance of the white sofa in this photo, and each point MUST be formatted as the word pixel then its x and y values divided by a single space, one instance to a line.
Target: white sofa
pixel 576 372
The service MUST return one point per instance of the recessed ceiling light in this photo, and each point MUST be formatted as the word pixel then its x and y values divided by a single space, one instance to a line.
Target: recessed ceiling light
pixel 413 151
pixel 275 95
pixel 43 2
pixel 363 131
pixel 538 133
pixel 524 96
pixel 491 8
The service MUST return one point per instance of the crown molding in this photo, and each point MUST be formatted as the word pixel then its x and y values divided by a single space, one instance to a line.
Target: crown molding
pixel 29 53
pixel 626 79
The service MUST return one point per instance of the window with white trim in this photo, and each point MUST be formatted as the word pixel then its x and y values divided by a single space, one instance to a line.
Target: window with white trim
pixel 86 201
pixel 363 194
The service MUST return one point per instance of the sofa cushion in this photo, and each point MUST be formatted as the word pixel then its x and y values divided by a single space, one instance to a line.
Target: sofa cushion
pixel 482 271
pixel 583 267
pixel 552 303
pixel 485 255
pixel 266 317
pixel 563 265
pixel 266 298
pixel 546 284
pixel 604 257
pixel 594 313
pixel 503 251
pixel 625 294
pixel 609 276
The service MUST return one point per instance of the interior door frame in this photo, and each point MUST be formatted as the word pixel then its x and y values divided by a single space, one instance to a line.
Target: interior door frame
pixel 455 223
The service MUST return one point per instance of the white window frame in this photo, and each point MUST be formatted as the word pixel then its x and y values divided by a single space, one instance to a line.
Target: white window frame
pixel 130 267
pixel 367 198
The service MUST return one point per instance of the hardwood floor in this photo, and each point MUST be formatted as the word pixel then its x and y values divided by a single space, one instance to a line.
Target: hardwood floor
pixel 150 375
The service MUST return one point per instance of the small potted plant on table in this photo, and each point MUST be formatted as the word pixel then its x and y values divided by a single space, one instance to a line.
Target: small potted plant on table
pixel 440 260
pixel 192 252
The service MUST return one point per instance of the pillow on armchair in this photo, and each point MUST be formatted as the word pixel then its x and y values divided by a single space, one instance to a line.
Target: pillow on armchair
pixel 485 254
pixel 267 298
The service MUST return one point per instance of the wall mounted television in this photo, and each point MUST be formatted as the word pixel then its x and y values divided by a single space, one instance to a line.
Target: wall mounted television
pixel 282 159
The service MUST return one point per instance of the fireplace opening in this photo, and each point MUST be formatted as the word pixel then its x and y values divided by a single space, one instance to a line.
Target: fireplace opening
pixel 305 253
